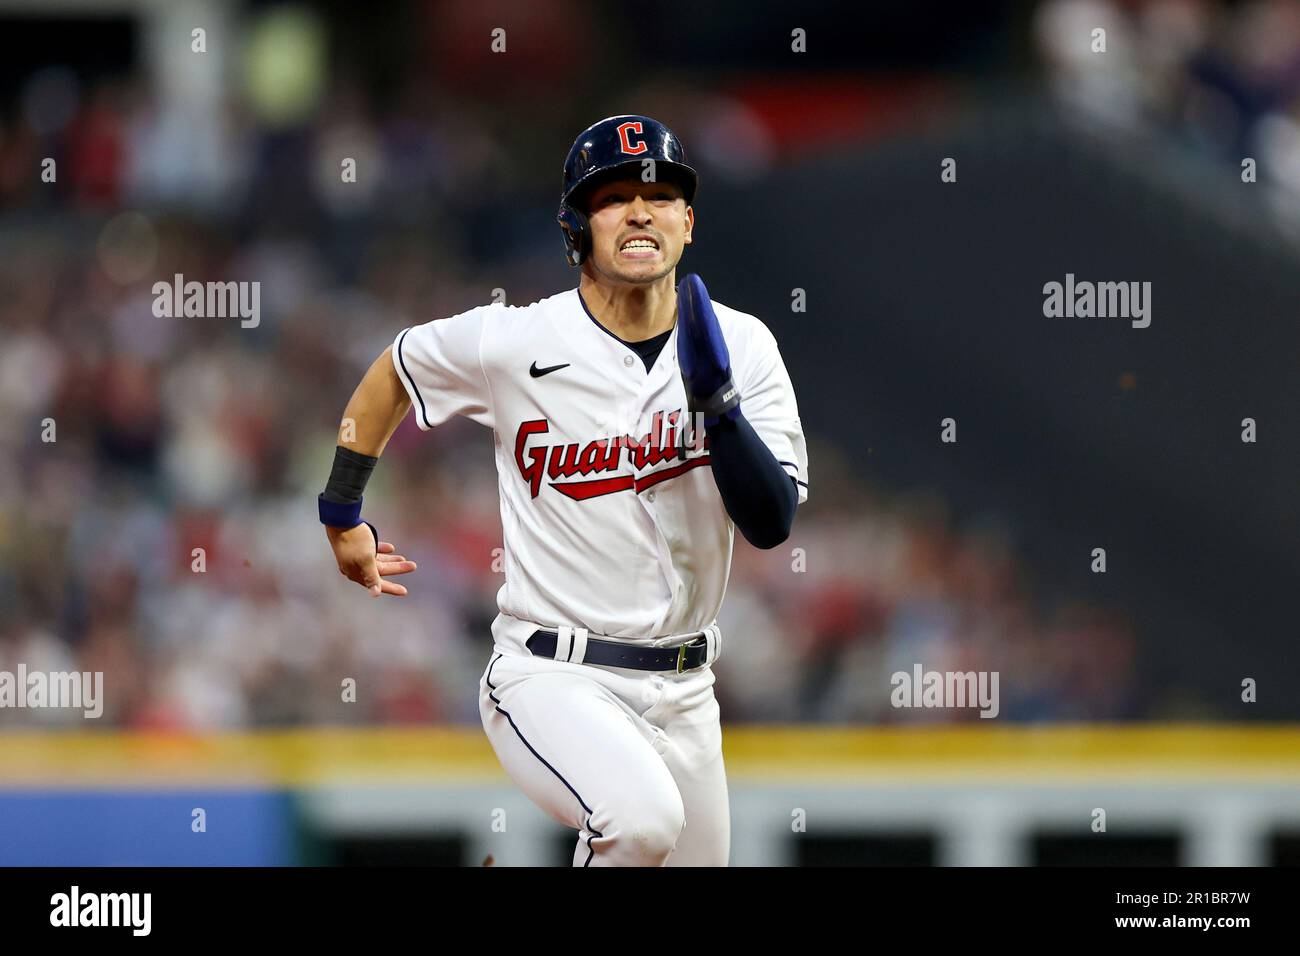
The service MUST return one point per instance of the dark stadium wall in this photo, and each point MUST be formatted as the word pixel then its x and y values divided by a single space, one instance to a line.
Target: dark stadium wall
pixel 925 300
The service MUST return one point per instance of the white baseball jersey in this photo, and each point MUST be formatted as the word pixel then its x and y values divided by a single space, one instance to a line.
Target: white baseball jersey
pixel 611 519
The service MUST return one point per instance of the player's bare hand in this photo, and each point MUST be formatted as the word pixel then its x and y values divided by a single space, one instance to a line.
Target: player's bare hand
pixel 360 561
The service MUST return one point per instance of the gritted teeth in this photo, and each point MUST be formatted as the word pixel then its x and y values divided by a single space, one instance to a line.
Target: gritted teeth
pixel 639 242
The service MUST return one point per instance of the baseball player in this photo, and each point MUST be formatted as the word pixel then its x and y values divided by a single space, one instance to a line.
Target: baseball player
pixel 637 424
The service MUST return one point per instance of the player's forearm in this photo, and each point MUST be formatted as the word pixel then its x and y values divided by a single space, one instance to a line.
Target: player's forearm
pixel 759 495
pixel 375 410
pixel 372 415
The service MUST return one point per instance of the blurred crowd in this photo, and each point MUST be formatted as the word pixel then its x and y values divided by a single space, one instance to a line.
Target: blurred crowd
pixel 158 475
pixel 1222 79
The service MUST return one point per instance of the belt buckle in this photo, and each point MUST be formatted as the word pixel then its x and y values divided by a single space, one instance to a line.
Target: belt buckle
pixel 681 652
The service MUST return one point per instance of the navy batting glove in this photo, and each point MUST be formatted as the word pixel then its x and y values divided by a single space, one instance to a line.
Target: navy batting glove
pixel 702 355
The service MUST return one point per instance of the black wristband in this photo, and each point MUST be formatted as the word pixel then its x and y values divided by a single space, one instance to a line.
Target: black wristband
pixel 348 477
pixel 723 401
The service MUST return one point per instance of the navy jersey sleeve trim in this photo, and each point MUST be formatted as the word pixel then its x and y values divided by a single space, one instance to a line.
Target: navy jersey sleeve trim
pixel 411 386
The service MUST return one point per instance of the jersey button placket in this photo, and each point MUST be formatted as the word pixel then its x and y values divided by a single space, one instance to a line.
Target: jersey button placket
pixel 628 360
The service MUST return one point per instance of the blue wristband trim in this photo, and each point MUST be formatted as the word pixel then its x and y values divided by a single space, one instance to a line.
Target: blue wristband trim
pixel 337 515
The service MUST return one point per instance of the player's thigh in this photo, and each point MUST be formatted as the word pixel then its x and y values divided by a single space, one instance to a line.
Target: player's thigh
pixel 569 745
pixel 691 749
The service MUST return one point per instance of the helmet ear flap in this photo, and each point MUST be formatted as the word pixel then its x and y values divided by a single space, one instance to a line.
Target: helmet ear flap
pixel 577 233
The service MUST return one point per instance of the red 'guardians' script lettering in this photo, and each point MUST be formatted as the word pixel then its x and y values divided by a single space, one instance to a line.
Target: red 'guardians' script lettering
pixel 604 456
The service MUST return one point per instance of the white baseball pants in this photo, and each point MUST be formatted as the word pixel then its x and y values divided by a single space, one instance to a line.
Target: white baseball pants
pixel 632 760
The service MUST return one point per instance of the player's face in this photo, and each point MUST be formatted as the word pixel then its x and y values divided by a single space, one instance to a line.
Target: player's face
pixel 638 230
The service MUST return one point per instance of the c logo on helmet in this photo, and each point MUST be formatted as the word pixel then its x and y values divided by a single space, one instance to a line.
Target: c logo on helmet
pixel 627 145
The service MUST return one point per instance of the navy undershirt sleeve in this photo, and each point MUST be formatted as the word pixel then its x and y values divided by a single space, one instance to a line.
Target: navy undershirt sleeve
pixel 759 495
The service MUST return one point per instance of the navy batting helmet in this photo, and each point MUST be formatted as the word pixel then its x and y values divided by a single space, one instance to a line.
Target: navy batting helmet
pixel 621 143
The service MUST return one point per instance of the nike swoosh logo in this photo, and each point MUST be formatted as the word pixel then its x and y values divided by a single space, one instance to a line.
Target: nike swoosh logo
pixel 536 372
